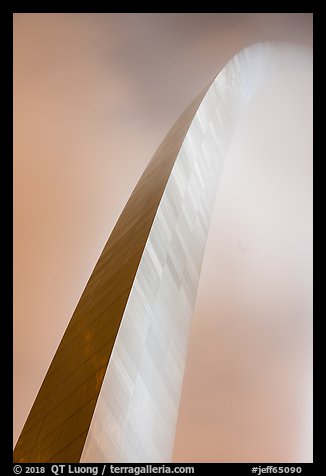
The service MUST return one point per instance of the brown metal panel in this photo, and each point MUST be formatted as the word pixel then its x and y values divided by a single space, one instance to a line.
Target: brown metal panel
pixel 58 423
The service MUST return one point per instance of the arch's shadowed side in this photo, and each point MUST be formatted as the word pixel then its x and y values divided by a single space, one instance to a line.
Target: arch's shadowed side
pixel 112 390
pixel 59 420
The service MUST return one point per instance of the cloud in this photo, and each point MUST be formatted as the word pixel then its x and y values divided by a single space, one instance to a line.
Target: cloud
pixel 94 95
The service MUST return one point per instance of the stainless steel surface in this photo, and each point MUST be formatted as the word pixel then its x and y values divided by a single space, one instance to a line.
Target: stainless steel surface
pixel 112 390
pixel 136 413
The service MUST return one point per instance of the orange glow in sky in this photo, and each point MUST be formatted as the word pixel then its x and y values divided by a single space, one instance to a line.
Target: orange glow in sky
pixel 94 95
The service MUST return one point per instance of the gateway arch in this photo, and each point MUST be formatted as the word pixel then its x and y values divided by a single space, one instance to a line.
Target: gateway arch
pixel 112 391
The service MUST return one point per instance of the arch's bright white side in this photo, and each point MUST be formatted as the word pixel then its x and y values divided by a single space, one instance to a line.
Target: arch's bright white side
pixel 136 413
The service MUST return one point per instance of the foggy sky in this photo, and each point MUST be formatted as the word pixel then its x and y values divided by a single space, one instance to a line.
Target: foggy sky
pixel 247 393
pixel 94 95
